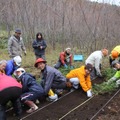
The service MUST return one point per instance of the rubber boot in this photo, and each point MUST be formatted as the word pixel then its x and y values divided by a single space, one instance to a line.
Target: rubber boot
pixel 32 106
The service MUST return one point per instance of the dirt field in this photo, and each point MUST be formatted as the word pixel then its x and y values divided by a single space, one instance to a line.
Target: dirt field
pixel 76 106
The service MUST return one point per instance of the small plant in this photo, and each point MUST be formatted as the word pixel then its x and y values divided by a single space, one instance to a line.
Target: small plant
pixel 105 87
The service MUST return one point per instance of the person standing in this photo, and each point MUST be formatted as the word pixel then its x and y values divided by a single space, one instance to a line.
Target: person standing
pixel 65 59
pixel 39 45
pixel 16 45
pixel 95 59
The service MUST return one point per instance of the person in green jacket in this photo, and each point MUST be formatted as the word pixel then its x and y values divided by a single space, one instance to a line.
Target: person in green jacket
pixel 116 78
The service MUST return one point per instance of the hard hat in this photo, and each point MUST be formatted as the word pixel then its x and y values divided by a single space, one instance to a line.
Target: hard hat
pixel 114 54
pixel 39 60
pixel 17 60
pixel 114 63
pixel 53 97
pixel 21 70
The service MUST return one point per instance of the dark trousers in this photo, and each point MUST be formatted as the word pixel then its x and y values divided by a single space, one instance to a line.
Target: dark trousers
pixel 59 85
pixel 59 64
pixel 10 94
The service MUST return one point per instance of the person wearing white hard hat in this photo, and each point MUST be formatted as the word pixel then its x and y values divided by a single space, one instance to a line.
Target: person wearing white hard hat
pixel 65 59
pixel 12 65
pixel 31 90
pixel 16 44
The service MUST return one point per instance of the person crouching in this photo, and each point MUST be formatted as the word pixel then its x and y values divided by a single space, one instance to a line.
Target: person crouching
pixel 31 91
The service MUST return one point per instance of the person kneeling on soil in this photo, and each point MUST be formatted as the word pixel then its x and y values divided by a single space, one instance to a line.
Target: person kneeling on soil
pixel 12 65
pixel 81 76
pixel 116 78
pixel 65 59
pixel 52 80
pixel 31 91
pixel 10 90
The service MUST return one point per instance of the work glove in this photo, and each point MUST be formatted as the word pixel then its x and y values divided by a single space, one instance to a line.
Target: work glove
pixel 89 93
pixel 111 80
pixel 65 66
pixel 118 83
pixel 25 53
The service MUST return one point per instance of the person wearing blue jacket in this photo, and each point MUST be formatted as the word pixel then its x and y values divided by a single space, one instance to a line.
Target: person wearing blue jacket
pixel 51 77
pixel 12 65
pixel 31 91
pixel 39 46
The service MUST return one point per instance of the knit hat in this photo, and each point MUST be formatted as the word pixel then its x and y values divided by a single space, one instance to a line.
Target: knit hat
pixel 17 30
pixel 114 63
pixel 89 67
pixel 67 49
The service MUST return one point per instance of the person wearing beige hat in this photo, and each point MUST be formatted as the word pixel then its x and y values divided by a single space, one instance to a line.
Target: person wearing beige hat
pixel 65 59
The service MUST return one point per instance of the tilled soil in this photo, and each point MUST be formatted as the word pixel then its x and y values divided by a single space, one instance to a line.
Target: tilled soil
pixel 76 106
pixel 111 111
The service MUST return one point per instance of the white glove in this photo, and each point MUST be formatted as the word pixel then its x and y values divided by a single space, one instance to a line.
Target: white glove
pixel 111 80
pixel 118 83
pixel 89 93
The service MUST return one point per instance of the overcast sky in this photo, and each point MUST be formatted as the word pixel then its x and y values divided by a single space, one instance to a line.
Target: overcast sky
pixel 113 2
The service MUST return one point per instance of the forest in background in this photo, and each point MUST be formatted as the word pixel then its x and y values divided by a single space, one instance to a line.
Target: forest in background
pixel 79 24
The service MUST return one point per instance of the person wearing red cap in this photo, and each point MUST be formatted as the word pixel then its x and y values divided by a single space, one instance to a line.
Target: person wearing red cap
pixel 65 59
pixel 52 79
pixel 115 53
pixel 81 76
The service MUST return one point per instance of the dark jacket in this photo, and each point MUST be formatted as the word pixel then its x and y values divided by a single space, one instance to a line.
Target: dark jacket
pixel 36 45
pixel 29 84
pixel 51 75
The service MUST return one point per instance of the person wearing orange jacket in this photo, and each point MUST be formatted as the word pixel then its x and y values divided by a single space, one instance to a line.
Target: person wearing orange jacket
pixel 115 53
pixel 65 59
pixel 81 76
